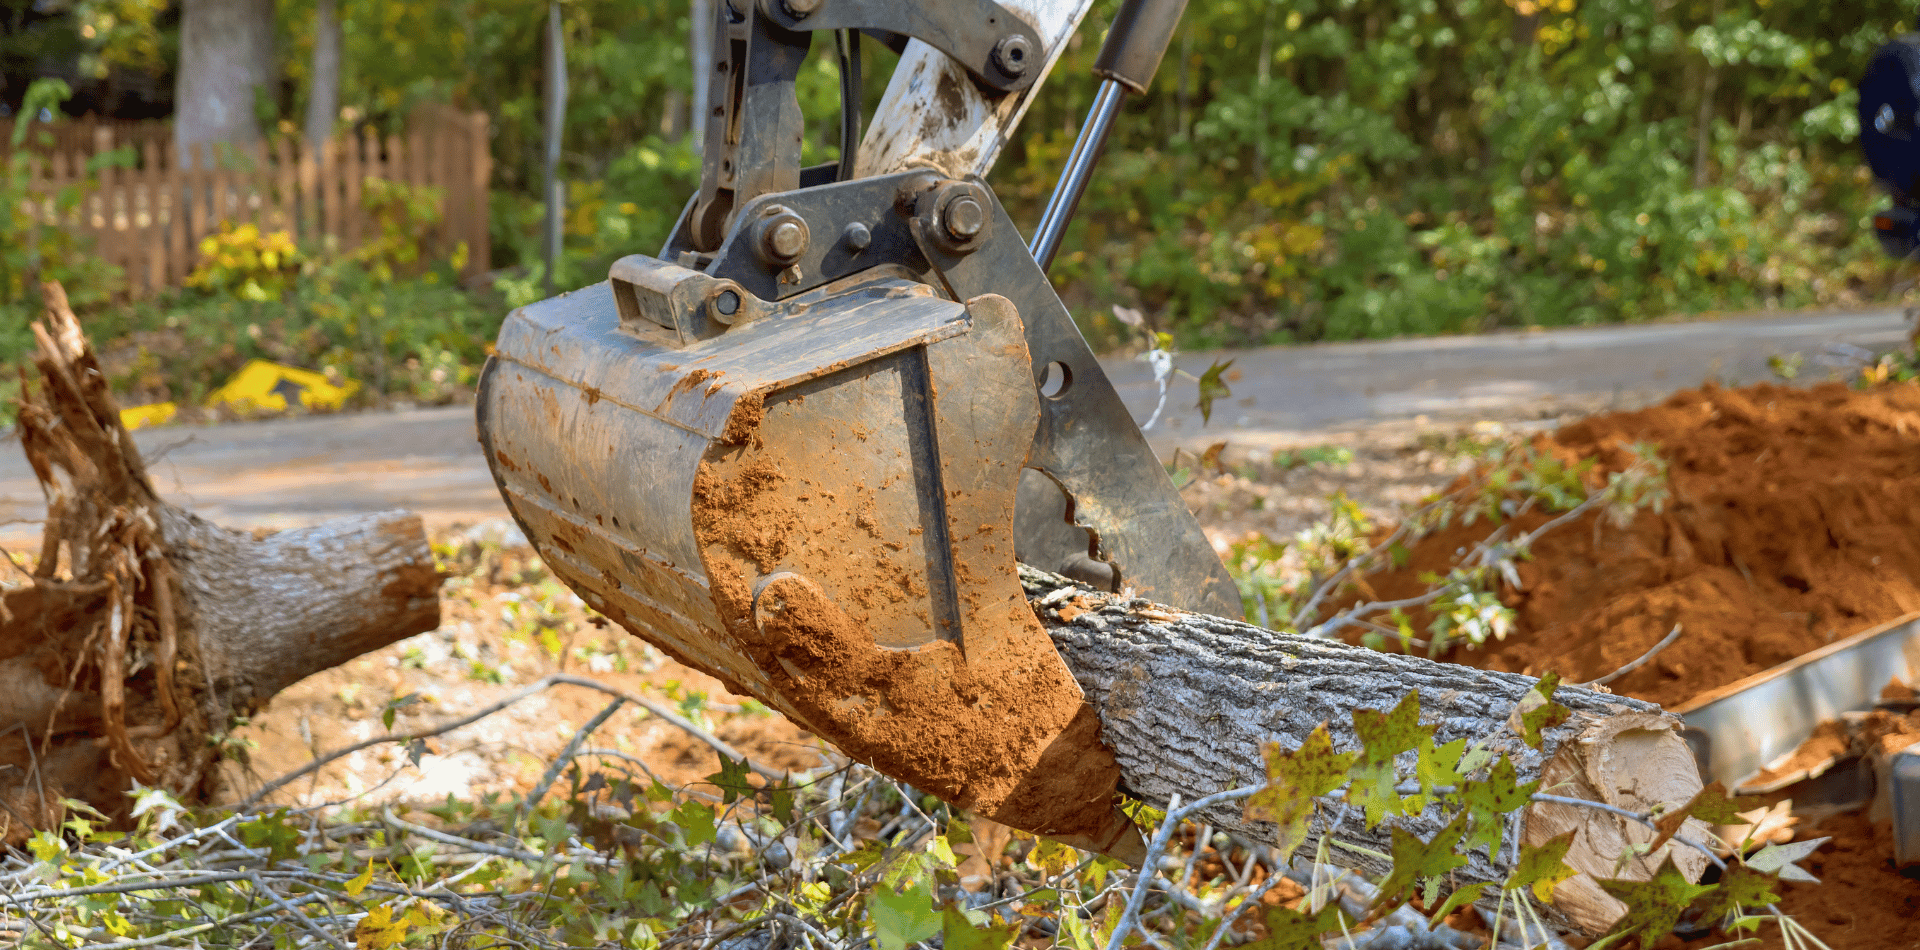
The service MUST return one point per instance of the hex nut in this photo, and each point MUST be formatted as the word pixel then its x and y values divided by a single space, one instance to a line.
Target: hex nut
pixel 800 9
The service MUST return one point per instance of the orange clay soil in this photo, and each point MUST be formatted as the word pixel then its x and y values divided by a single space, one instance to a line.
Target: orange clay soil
pixel 1794 522
pixel 1002 731
pixel 1861 902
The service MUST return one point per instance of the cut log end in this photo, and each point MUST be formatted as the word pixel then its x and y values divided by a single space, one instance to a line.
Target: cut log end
pixel 1635 761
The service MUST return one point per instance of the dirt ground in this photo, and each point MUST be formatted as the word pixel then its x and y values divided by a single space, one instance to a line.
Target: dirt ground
pixel 508 624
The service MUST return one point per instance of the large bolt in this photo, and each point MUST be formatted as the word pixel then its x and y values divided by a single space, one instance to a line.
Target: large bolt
pixel 856 237
pixel 1011 54
pixel 964 216
pixel 786 240
pixel 781 236
pixel 800 9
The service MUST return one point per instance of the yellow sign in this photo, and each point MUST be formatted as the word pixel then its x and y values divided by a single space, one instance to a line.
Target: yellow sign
pixel 263 386
pixel 155 414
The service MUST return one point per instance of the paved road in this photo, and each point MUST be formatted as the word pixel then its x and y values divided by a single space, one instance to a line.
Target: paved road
pixel 299 471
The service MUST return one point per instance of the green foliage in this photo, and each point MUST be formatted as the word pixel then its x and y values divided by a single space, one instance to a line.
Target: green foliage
pixel 904 916
pixel 1312 456
pixel 1289 929
pixel 1537 710
pixel 1542 867
pixel 1294 780
pixel 1213 386
pixel 1305 170
pixel 1287 584
pixel 850 858
pixel 1301 169
pixel 1653 906
pixel 402 213
pixel 421 339
pixel 37 246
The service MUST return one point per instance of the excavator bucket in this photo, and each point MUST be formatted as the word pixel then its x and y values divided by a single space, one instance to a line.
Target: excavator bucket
pixel 816 506
pixel 802 448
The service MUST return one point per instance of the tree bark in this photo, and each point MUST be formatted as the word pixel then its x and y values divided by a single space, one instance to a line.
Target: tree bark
pixel 226 53
pixel 1187 702
pixel 323 92
pixel 143 630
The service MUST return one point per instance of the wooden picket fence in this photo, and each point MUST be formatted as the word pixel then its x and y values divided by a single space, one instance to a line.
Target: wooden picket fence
pixel 149 219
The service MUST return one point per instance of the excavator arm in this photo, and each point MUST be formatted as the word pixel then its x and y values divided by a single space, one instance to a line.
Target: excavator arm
pixel 803 446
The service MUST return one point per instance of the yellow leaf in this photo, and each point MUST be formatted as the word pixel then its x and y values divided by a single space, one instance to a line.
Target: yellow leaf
pixel 358 884
pixel 1051 857
pixel 378 930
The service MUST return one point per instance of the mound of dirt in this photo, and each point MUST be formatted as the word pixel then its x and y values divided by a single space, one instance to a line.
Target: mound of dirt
pixel 1794 521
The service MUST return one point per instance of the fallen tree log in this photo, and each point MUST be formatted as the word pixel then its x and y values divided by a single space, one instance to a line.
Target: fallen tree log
pixel 142 631
pixel 1187 702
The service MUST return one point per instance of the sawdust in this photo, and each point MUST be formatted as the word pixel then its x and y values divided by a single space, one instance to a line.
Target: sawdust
pixel 1794 521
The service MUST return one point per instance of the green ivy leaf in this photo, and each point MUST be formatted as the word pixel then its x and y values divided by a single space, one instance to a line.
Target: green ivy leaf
pixel 1537 712
pixel 958 831
pixel 731 780
pixel 1294 780
pixel 867 855
pixel 1383 736
pixel 1489 798
pixel 959 933
pixel 1212 387
pixel 46 845
pixel 1543 867
pixel 273 832
pixel 695 820
pixel 1440 765
pixel 1461 897
pixel 904 916
pixel 393 706
pixel 1714 807
pixel 1741 888
pixel 1292 930
pixel 1653 906
pixel 1414 860
pixel 780 803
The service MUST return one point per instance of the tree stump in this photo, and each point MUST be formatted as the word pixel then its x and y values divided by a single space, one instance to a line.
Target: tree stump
pixel 143 631
pixel 1187 702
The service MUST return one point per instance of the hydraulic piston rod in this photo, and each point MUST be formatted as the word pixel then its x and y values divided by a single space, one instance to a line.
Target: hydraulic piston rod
pixel 1128 59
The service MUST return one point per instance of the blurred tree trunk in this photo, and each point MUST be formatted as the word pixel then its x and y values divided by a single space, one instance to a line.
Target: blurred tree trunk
pixel 226 59
pixel 323 94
